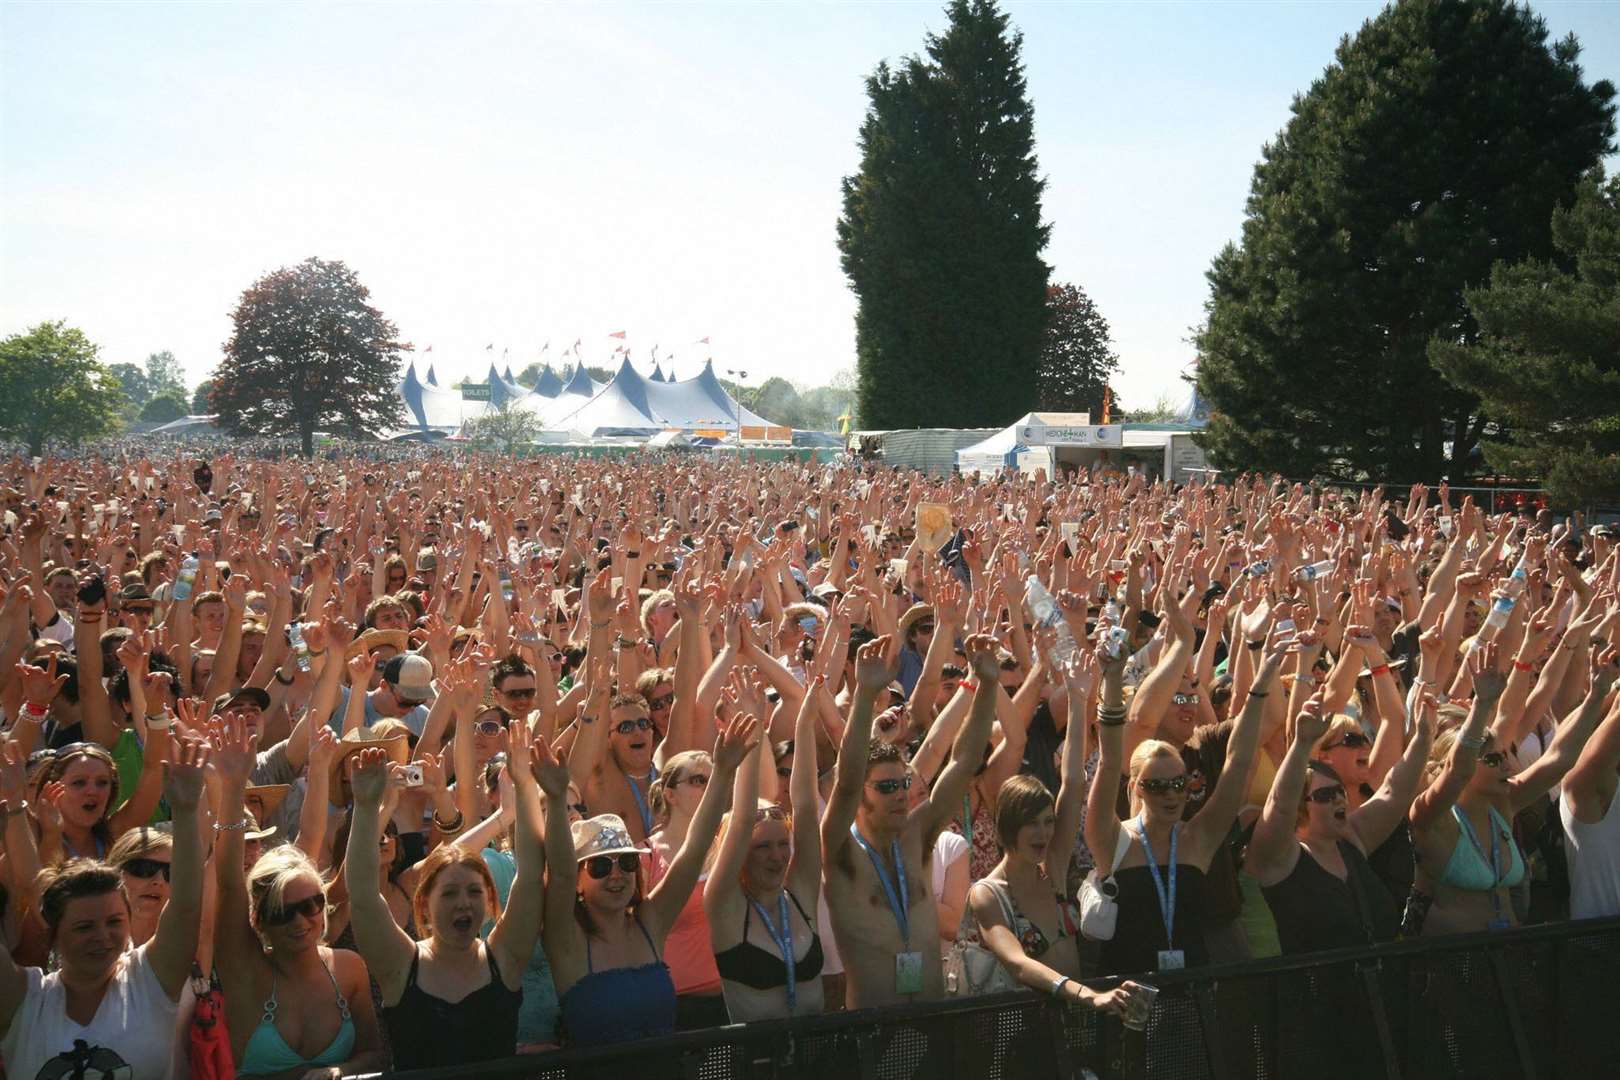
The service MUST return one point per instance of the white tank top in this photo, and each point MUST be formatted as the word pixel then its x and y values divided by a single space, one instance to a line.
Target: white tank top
pixel 1594 862
pixel 131 1037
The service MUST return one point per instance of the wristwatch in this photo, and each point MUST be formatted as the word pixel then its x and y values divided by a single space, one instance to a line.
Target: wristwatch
pixel 161 722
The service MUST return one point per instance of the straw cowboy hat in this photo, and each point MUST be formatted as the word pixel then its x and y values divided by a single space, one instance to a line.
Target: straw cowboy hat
pixel 389 735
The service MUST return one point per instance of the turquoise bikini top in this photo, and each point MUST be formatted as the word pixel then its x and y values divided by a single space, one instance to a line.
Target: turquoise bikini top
pixel 267 1053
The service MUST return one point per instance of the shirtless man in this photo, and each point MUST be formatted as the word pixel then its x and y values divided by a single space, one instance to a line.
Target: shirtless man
pixel 614 754
pixel 886 922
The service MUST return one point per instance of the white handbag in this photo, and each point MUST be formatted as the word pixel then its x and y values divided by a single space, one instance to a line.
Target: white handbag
pixel 1099 903
pixel 970 968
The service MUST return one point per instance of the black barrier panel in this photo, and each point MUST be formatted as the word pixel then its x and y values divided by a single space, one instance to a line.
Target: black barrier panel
pixel 1539 1002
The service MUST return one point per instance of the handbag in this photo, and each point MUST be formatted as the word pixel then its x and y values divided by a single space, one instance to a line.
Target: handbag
pixel 209 1044
pixel 970 968
pixel 1099 895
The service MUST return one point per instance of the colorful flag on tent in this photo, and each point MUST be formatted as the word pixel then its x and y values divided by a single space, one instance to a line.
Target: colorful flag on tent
pixel 702 341
pixel 490 347
pixel 843 424
pixel 575 349
pixel 428 349
pixel 617 334
pixel 545 348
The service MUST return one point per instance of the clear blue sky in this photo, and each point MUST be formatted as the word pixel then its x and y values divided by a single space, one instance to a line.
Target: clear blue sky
pixel 517 173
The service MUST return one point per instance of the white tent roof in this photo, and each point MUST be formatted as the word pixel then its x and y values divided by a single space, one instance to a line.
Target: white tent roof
pixel 428 408
pixel 633 403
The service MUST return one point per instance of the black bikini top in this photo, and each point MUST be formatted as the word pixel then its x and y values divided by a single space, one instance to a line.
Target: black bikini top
pixel 763 969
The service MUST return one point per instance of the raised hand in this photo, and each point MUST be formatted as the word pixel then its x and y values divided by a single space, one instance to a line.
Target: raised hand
pixel 48 807
pixel 877 664
pixel 1312 722
pixel 1485 670
pixel 323 749
pixel 981 655
pixel 183 774
pixel 549 772
pixel 736 740
pixel 40 685
pixel 13 774
pixel 233 756
pixel 368 777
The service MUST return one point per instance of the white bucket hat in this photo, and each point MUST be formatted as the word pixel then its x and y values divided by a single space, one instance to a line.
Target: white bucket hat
pixel 603 834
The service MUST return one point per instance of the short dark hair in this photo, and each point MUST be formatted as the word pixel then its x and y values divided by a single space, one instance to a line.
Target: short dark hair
pixel 1021 800
pixel 77 880
pixel 509 666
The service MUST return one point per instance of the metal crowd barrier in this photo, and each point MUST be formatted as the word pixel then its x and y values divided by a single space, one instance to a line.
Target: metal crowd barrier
pixel 1529 1003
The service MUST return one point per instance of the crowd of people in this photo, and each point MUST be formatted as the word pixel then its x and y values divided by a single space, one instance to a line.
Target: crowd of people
pixel 297 754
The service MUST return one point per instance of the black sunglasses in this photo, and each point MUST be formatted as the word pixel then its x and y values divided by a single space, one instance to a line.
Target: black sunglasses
pixel 784 771
pixel 697 779
pixel 662 701
pixel 521 692
pixel 1160 787
pixel 309 907
pixel 579 808
pixel 1493 759
pixel 600 866
pixel 625 727
pixel 1355 740
pixel 889 787
pixel 146 868
pixel 1326 795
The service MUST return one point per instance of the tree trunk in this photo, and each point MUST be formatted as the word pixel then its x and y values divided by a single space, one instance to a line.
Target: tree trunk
pixel 306 436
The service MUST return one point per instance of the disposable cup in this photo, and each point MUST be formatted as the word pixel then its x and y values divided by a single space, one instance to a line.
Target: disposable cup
pixel 1140 1007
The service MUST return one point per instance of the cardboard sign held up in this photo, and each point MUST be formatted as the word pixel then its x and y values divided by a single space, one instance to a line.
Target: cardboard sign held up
pixel 933 525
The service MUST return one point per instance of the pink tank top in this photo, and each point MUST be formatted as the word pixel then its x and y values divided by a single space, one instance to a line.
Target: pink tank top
pixel 688 950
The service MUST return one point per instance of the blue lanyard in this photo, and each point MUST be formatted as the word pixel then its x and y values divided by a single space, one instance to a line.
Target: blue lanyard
pixel 784 944
pixel 898 898
pixel 967 821
pixel 641 803
pixel 1167 898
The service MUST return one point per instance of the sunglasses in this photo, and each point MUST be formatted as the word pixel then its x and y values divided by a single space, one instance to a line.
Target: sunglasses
pixel 1160 787
pixel 146 868
pixel 1355 740
pixel 925 628
pixel 697 779
pixel 625 727
pixel 523 692
pixel 488 727
pixel 784 771
pixel 889 787
pixel 600 866
pixel 775 813
pixel 1185 699
pixel 579 808
pixel 309 908
pixel 662 701
pixel 1325 795
pixel 1494 759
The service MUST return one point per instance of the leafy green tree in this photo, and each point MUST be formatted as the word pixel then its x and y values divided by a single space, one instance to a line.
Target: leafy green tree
pixel 1164 410
pixel 163 373
pixel 504 429
pixel 309 353
pixel 137 391
pixel 1436 144
pixel 941 232
pixel 52 386
pixel 200 403
pixel 1077 357
pixel 163 408
pixel 1545 364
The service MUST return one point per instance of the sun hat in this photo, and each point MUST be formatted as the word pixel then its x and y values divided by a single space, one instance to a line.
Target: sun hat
pixel 603 834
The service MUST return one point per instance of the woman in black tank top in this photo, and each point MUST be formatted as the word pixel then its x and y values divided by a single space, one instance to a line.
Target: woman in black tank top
pixel 1309 849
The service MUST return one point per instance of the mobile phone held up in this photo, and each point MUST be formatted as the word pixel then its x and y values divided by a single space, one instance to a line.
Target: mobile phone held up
pixel 93 591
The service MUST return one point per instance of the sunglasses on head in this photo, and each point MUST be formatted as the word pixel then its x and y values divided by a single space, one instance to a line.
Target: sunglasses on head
pixel 1326 795
pixel 625 727
pixel 1160 787
pixel 600 866
pixel 889 787
pixel 146 868
pixel 1355 740
pixel 309 907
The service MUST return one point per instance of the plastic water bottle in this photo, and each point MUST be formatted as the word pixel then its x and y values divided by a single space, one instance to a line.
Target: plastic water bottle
pixel 1504 604
pixel 295 638
pixel 1259 569
pixel 1315 570
pixel 1114 636
pixel 1043 606
pixel 505 574
pixel 187 578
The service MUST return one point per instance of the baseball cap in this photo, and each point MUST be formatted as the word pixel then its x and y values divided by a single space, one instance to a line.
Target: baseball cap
pixel 411 676
pixel 242 693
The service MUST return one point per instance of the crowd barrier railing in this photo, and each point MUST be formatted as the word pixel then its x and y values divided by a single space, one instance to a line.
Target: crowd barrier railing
pixel 1536 1002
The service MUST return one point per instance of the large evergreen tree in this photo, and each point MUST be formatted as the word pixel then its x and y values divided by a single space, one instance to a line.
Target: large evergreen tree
pixel 1077 357
pixel 941 232
pixel 1546 365
pixel 52 386
pixel 308 354
pixel 1437 144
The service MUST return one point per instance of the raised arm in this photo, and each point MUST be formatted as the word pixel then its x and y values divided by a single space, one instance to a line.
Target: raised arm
pixel 945 798
pixel 1221 808
pixel 876 665
pixel 174 945
pixel 1565 748
pixel 733 850
pixel 736 741
pixel 1443 791
pixel 1590 785
pixel 237 951
pixel 519 925
pixel 1379 816
pixel 1071 796
pixel 387 950
pixel 1274 851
